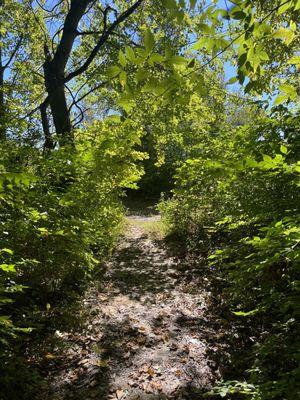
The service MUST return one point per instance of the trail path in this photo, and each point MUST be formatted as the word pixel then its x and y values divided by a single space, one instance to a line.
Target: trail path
pixel 146 333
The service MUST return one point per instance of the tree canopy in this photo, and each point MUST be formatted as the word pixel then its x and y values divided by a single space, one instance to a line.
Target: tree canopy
pixel 193 104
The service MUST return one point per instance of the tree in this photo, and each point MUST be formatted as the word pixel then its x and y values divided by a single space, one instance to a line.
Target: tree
pixel 6 58
pixel 55 75
pixel 20 81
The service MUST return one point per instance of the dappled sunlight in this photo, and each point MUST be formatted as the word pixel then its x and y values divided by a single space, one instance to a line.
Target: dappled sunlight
pixel 144 335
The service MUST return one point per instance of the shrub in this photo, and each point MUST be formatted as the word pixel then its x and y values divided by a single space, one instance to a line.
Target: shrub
pixel 241 208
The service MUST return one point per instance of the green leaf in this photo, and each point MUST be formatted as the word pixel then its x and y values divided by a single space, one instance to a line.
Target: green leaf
pixel 7 267
pixel 149 87
pixel 294 60
pixel 238 15
pixel 193 4
pixel 155 57
pixel 287 35
pixel 191 64
pixel 284 7
pixel 126 103
pixel 290 90
pixel 232 80
pixel 199 44
pixel 267 158
pixel 263 56
pixel 130 53
pixel 141 75
pixel 8 251
pixel 114 118
pixel 281 98
pixel 178 60
pixel 170 4
pixel 148 40
pixel 123 78
pixel 122 58
pixel 113 71
pixel 246 314
pixel 242 59
pixel 283 149
pixel 201 87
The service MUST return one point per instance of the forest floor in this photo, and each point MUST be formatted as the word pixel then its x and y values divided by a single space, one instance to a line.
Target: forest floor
pixel 148 328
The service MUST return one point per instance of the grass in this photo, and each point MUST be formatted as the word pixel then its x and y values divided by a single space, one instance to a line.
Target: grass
pixel 155 229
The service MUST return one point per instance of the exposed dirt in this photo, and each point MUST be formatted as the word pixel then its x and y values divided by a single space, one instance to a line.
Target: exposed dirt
pixel 146 332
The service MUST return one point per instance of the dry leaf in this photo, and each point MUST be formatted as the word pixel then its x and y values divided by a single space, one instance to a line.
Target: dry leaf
pixel 141 329
pixel 150 371
pixel 166 338
pixel 119 394
pixel 49 356
pixel 84 361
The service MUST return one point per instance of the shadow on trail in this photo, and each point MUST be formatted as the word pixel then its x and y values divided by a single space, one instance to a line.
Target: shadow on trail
pixel 141 268
pixel 150 331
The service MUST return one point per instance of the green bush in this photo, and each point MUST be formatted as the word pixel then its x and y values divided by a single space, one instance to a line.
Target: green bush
pixel 241 209
pixel 61 212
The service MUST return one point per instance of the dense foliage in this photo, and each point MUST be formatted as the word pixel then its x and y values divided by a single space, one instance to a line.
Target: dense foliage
pixel 60 215
pixel 97 97
pixel 239 204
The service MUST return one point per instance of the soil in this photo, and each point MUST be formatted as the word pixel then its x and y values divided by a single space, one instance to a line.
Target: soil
pixel 147 330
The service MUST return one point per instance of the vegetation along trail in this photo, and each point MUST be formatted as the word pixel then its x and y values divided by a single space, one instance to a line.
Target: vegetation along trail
pixel 106 105
pixel 145 335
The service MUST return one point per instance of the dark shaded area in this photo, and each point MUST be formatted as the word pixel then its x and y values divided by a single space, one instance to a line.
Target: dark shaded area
pixel 138 206
pixel 140 271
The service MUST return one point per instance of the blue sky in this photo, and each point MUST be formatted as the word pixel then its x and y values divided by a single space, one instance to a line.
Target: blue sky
pixel 230 70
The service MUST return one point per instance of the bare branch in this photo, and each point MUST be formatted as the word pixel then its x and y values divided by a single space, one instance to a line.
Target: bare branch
pixel 52 9
pixel 105 35
pixel 17 46
pixel 102 84
pixel 88 33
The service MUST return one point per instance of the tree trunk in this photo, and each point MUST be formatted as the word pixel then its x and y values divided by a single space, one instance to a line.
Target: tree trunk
pixel 55 66
pixel 54 72
pixel 49 144
pixel 58 103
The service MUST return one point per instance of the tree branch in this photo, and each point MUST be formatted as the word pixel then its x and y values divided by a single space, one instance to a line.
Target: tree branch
pixel 52 9
pixel 105 35
pixel 64 48
pixel 74 103
pixel 19 42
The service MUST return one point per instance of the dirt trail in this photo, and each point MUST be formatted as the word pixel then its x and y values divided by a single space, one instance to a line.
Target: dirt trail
pixel 146 334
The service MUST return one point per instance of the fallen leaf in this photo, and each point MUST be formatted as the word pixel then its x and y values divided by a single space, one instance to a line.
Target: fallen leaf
pixel 150 371
pixel 119 394
pixel 141 340
pixel 166 338
pixel 84 361
pixel 141 329
pixel 49 356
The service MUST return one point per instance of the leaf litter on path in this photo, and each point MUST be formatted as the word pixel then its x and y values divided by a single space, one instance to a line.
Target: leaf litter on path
pixel 145 334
